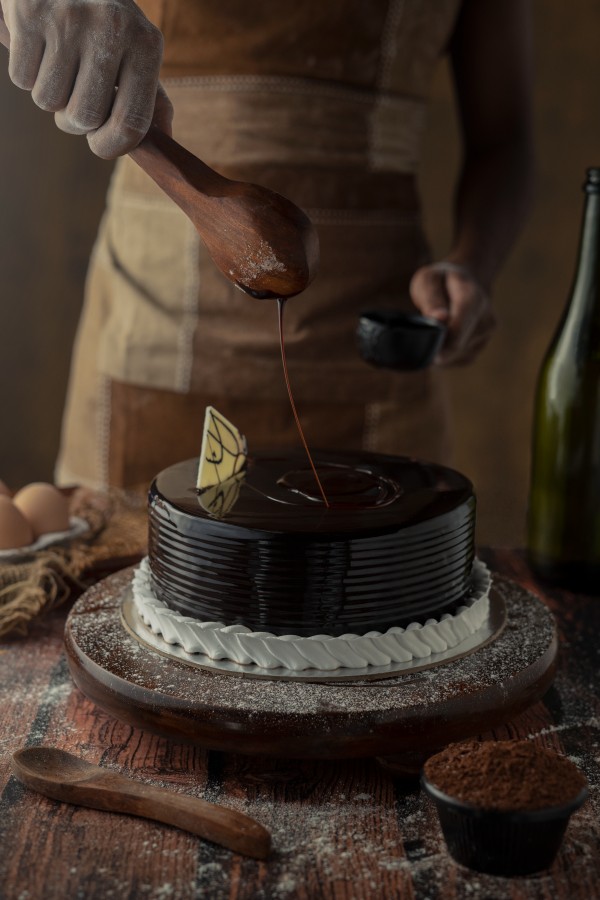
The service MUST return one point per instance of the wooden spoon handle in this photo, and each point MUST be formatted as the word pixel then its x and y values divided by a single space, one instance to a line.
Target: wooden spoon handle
pixel 227 827
pixel 184 177
pixel 116 793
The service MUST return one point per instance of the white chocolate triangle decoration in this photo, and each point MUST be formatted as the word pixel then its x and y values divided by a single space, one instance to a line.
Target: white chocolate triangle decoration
pixel 224 451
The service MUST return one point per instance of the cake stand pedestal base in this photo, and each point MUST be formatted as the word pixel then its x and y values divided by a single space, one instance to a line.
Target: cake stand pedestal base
pixel 402 718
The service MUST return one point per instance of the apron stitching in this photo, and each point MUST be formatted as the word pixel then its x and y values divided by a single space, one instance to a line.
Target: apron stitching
pixel 185 350
pixel 388 54
pixel 361 217
pixel 389 43
pixel 323 215
pixel 278 84
pixel 104 421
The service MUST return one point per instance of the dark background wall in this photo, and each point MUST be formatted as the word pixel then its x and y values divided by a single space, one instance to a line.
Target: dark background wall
pixel 51 198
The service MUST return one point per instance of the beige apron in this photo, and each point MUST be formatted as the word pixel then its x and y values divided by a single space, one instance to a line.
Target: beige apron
pixel 325 103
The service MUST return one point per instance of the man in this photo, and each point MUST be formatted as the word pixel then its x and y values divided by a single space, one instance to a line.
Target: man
pixel 325 104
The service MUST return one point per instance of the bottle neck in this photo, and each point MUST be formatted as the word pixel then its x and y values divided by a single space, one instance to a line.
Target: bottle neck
pixel 584 307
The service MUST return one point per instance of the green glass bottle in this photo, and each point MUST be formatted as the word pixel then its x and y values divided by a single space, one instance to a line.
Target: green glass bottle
pixel 564 502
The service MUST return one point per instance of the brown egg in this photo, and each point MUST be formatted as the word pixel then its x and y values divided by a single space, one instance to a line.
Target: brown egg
pixel 15 530
pixel 44 507
pixel 4 490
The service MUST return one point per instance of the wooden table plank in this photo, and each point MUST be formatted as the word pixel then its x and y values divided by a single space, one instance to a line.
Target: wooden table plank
pixel 341 830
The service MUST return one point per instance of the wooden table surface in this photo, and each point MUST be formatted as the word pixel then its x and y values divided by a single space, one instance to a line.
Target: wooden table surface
pixel 341 830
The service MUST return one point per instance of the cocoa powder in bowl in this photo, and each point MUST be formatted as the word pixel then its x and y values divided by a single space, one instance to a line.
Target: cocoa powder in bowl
pixel 503 807
pixel 505 775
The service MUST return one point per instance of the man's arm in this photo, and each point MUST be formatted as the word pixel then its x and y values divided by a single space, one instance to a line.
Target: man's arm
pixel 491 61
pixel 94 63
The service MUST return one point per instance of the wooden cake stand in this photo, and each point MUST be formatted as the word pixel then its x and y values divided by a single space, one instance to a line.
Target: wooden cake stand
pixel 409 715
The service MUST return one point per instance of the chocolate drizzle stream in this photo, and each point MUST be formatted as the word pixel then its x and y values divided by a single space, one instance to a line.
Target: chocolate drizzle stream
pixel 280 309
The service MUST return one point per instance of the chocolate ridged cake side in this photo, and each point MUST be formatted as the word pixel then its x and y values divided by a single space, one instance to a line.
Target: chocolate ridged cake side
pixel 396 546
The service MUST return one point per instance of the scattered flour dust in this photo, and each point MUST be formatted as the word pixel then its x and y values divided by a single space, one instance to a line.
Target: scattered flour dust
pixel 353 843
pixel 163 892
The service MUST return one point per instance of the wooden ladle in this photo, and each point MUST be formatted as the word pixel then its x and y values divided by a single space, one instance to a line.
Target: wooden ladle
pixel 64 777
pixel 260 240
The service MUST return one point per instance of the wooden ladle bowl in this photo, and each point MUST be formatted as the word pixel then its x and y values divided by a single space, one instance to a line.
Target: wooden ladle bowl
pixel 260 240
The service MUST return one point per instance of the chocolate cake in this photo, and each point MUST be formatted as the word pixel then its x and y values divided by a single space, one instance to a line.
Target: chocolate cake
pixel 395 547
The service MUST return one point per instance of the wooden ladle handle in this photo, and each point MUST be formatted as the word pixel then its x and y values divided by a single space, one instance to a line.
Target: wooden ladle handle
pixel 178 172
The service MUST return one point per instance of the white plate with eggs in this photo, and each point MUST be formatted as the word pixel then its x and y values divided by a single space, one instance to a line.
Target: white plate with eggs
pixel 36 517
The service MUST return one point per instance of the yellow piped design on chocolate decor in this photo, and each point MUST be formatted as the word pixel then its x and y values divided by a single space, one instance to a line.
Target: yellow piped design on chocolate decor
pixel 224 451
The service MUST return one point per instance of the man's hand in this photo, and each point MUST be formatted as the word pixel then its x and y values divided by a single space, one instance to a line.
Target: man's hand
pixel 451 294
pixel 94 63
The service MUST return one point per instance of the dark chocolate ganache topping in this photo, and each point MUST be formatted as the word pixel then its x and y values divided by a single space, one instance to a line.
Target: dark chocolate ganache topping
pixel 396 544
pixel 346 487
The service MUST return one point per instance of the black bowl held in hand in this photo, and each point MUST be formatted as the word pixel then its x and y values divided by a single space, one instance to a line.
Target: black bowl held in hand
pixel 392 339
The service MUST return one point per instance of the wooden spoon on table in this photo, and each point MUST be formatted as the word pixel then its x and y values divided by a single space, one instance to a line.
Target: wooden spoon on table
pixel 64 777
pixel 260 240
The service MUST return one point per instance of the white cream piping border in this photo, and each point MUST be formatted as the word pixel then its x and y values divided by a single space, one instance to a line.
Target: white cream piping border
pixel 238 644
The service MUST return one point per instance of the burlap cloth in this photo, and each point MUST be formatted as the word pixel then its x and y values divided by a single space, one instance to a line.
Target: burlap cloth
pixel 32 586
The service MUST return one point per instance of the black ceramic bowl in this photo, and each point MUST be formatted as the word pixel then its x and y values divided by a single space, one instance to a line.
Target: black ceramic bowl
pixel 399 340
pixel 502 842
